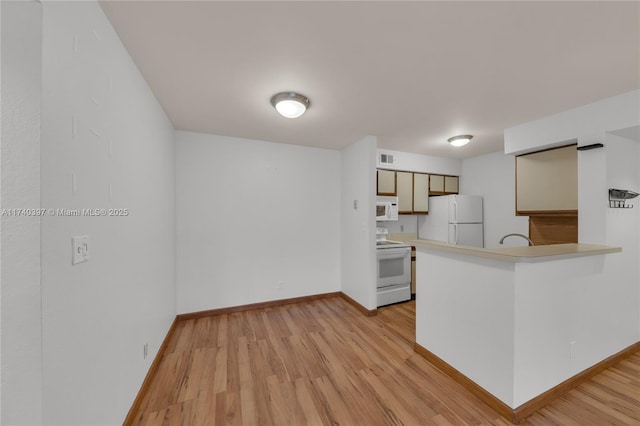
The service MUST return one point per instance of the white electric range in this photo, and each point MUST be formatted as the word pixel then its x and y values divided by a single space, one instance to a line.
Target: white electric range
pixel 393 277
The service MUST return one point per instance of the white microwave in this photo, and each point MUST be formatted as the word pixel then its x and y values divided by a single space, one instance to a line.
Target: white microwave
pixel 387 208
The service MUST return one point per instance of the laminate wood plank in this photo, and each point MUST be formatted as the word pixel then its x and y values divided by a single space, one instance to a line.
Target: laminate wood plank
pixel 220 371
pixel 190 385
pixel 171 373
pixel 368 413
pixel 324 410
pixel 322 362
pixel 276 323
pixel 228 410
pixel 208 373
pixel 185 337
pixel 205 334
pixel 396 410
pixel 284 404
pixel 601 408
pixel 619 403
pixel 257 325
pixel 306 401
pixel 309 360
pixel 222 330
pixel 293 326
pixel 335 402
pixel 403 384
pixel 286 351
pixel 457 403
pixel 248 406
pixel 205 409
pixel 614 384
pixel 259 390
pixel 244 363
pixel 233 370
pixel 245 328
pixel 274 362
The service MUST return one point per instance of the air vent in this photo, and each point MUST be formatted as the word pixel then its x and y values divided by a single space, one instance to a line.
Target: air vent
pixel 386 159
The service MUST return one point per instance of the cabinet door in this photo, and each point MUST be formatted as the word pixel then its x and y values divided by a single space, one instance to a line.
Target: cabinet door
pixel 451 184
pixel 405 192
pixel 420 193
pixel 436 183
pixel 547 181
pixel 386 182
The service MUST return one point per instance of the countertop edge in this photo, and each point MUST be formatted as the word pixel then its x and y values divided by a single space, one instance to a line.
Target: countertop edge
pixel 502 254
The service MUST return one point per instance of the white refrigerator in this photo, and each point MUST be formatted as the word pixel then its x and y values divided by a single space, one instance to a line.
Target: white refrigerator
pixel 454 219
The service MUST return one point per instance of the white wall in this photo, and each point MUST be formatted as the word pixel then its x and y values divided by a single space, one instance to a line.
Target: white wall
pixel 592 192
pixel 101 121
pixel 406 224
pixel 20 188
pixel 2 109
pixel 420 163
pixel 493 177
pixel 252 214
pixel 358 224
pixel 611 114
pixel 520 319
pixel 591 301
pixel 611 320
pixel 465 316
pixel 623 227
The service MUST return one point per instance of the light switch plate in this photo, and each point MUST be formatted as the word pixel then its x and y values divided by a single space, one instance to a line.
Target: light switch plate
pixel 80 249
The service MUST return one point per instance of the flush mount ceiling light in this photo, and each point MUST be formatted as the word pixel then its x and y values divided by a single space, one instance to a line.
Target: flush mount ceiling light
pixel 460 140
pixel 290 104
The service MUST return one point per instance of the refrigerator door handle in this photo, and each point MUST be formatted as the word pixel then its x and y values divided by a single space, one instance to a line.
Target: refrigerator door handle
pixel 455 211
pixel 455 232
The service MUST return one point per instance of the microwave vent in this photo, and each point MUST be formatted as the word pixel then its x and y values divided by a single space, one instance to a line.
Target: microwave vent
pixel 386 159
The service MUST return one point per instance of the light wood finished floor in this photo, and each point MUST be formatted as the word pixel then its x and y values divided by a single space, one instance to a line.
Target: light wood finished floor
pixel 323 362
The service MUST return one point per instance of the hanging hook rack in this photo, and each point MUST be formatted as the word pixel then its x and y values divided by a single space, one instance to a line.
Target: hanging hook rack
pixel 618 198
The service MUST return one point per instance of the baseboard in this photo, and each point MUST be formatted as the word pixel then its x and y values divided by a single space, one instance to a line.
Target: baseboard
pixel 516 415
pixel 153 369
pixel 533 405
pixel 486 397
pixel 367 312
pixel 252 306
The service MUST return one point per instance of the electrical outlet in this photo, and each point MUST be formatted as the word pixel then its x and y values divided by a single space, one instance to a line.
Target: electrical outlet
pixel 145 350
pixel 280 285
pixel 572 349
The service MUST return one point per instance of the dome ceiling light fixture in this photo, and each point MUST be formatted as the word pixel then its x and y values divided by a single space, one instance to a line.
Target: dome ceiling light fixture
pixel 460 140
pixel 290 104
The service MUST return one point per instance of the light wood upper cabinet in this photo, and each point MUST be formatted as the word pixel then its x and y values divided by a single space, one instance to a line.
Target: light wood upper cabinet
pixel 386 182
pixel 412 190
pixel 420 193
pixel 436 183
pixel 405 192
pixel 443 185
pixel 451 184
pixel 547 182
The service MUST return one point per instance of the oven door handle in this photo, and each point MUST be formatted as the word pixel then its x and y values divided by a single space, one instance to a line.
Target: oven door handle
pixel 391 253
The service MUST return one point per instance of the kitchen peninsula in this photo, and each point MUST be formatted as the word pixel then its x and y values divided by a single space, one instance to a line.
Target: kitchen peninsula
pixel 519 321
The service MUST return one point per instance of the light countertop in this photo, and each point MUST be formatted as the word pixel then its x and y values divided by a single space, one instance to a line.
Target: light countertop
pixel 525 254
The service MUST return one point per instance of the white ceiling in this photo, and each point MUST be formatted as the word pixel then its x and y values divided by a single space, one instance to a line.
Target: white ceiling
pixel 410 73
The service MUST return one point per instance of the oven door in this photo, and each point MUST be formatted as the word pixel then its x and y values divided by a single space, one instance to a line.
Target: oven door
pixel 394 266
